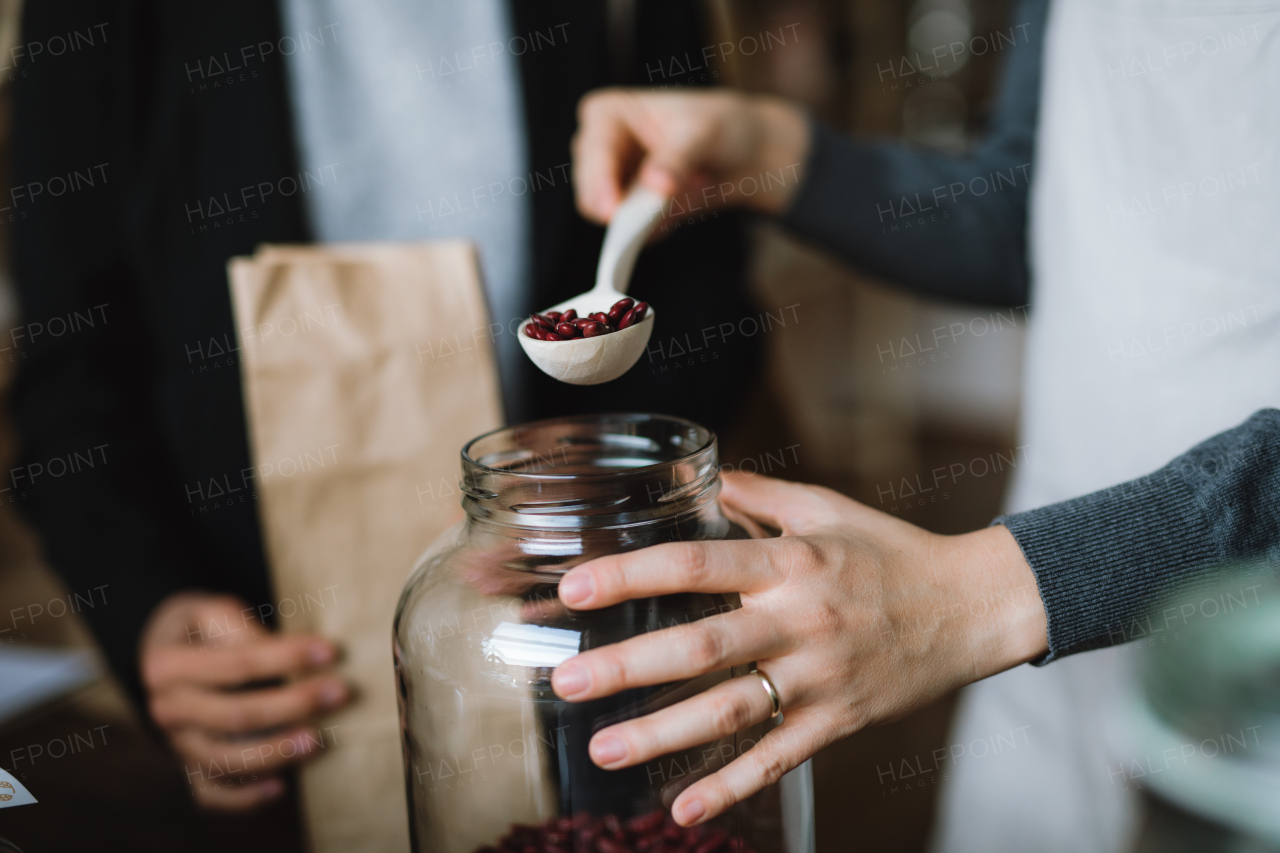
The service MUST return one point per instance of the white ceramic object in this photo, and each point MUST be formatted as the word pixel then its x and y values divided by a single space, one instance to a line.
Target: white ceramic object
pixel 590 361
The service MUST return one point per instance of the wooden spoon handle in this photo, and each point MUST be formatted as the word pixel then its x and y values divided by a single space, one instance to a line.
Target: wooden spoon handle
pixel 630 227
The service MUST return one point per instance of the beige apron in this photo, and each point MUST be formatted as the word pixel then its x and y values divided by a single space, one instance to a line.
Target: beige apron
pixel 1155 325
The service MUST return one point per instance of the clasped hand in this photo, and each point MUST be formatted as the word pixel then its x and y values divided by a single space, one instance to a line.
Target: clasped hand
pixel 237 702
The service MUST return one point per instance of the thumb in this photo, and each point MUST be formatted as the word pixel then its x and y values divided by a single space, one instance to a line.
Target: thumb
pixel 762 500
pixel 658 175
pixel 674 159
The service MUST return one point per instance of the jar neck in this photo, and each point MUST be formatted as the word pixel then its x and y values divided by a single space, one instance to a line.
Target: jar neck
pixel 590 472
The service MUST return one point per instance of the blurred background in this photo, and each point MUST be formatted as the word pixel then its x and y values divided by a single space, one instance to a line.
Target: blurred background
pixel 863 394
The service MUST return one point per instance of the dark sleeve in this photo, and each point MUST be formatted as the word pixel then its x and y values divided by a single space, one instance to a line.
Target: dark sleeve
pixel 1103 559
pixel 92 472
pixel 940 225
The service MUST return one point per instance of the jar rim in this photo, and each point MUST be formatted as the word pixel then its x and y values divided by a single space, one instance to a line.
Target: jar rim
pixel 709 440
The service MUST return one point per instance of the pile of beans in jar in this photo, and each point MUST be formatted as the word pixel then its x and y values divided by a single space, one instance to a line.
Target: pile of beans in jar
pixel 555 326
pixel 654 832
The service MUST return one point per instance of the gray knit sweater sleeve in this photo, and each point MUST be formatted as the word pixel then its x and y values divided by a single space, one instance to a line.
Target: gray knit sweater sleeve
pixel 939 225
pixel 1103 559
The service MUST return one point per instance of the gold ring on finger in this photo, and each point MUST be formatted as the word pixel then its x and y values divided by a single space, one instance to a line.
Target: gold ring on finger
pixel 775 700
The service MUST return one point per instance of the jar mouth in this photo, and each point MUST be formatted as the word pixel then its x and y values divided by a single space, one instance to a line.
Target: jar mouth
pixel 606 445
pixel 590 471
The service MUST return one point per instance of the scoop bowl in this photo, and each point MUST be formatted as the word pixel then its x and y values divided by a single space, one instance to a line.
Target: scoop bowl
pixel 590 361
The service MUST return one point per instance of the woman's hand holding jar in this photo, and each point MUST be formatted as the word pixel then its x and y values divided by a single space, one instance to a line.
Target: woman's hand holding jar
pixel 855 617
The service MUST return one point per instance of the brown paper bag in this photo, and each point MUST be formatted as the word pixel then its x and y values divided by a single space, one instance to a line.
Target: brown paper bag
pixel 366 368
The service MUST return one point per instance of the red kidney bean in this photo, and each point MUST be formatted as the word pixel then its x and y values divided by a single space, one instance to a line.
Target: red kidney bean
pixel 619 308
pixel 672 832
pixel 635 315
pixel 646 822
pixel 653 832
pixel 714 842
pixel 557 326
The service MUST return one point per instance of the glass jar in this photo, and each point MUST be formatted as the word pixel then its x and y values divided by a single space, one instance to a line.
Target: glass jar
pixel 493 758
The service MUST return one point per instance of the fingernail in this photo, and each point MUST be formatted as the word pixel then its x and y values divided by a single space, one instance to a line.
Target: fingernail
pixel 272 788
pixel 332 694
pixel 320 653
pixel 608 750
pixel 691 812
pixel 569 681
pixel 576 588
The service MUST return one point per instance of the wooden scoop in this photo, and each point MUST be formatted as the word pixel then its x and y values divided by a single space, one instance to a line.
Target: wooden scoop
pixel 590 361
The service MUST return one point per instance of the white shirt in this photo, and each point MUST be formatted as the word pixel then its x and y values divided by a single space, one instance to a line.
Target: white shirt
pixel 1155 253
pixel 413 110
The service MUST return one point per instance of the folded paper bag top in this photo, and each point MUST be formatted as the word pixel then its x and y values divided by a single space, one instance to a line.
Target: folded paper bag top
pixel 358 396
